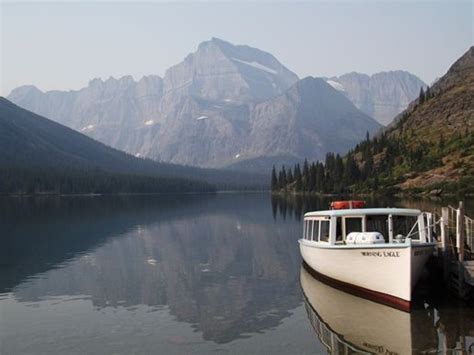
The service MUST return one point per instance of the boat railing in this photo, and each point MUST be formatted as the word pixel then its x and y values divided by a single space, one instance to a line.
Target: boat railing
pixel 430 229
pixel 334 343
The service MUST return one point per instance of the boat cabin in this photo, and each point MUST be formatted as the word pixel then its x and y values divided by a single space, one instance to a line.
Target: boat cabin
pixel 368 226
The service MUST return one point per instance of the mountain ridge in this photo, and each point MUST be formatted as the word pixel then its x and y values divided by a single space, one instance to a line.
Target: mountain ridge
pixel 204 112
pixel 381 95
pixel 36 147
pixel 239 75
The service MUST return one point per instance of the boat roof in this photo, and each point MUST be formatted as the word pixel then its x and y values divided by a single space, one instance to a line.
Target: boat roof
pixel 364 212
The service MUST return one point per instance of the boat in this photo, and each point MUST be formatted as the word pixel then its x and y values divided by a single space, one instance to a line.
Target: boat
pixel 348 324
pixel 377 252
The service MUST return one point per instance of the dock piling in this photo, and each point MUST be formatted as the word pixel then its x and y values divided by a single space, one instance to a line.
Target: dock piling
pixel 455 229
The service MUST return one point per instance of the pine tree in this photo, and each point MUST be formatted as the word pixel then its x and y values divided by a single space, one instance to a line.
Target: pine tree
pixel 305 175
pixel 282 178
pixel 421 98
pixel 320 177
pixel 368 166
pixel 338 168
pixel 312 177
pixel 428 94
pixel 298 178
pixel 351 170
pixel 289 177
pixel 274 182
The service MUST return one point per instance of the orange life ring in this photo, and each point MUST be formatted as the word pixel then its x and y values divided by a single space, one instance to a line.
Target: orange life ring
pixel 343 205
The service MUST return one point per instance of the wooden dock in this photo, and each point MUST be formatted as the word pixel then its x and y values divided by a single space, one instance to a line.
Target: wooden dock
pixel 455 252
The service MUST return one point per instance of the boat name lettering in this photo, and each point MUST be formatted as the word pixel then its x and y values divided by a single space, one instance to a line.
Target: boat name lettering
pixel 382 254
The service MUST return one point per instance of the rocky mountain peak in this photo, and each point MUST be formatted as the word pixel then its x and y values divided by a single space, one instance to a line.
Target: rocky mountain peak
pixel 219 70
pixel 466 62
pixel 458 72
pixel 112 83
pixel 382 95
pixel 23 91
pixel 311 84
pixel 316 94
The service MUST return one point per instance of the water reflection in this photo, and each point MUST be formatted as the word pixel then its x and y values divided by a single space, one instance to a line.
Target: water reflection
pixel 218 263
pixel 295 206
pixel 347 324
pixel 142 274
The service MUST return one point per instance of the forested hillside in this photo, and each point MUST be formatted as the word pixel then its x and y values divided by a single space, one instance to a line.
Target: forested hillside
pixel 40 156
pixel 428 149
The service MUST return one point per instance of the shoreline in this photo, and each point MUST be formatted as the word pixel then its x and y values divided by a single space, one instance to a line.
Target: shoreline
pixel 137 193
pixel 374 194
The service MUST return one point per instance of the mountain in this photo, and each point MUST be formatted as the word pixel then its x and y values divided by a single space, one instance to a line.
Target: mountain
pixel 308 121
pixel 111 111
pixel 221 71
pixel 383 95
pixel 428 149
pixel 33 148
pixel 224 106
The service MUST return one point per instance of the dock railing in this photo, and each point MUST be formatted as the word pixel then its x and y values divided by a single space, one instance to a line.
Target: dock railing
pixel 461 227
pixel 456 247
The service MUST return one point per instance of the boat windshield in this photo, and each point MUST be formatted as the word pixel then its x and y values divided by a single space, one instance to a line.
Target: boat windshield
pixel 378 223
pixel 402 225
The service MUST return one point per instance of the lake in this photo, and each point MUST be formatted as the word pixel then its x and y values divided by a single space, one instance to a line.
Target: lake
pixel 193 274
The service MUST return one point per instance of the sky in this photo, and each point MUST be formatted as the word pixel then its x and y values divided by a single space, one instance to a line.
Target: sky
pixel 63 45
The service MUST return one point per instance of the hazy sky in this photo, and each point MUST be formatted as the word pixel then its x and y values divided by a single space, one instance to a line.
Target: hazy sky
pixel 64 45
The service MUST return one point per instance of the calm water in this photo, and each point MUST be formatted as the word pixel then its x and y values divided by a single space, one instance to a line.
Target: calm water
pixel 190 274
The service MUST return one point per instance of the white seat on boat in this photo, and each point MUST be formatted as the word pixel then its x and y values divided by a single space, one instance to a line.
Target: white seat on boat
pixel 364 238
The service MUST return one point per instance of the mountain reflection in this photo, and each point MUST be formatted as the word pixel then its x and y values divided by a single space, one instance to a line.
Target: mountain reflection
pixel 218 263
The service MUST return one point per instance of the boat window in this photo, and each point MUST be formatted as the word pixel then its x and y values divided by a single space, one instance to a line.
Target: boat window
pixel 378 223
pixel 353 224
pixel 316 231
pixel 324 234
pixel 339 230
pixel 403 224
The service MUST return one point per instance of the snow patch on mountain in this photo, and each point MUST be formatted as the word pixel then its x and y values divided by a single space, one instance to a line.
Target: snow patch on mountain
pixel 336 85
pixel 257 66
pixel 87 128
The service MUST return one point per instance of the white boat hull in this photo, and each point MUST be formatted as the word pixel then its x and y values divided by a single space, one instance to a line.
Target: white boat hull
pixel 384 270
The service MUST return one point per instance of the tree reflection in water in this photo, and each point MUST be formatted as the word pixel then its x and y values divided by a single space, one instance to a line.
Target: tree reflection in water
pixel 294 206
